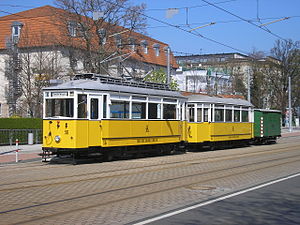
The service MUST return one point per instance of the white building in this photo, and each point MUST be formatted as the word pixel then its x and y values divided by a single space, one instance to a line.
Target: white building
pixel 203 81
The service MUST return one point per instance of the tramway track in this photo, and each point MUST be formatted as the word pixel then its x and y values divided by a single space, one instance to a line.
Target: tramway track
pixel 168 165
pixel 210 176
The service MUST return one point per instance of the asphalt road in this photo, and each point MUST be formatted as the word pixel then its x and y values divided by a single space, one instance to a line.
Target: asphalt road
pixel 278 203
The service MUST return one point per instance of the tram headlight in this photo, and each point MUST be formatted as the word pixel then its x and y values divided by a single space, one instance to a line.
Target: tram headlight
pixel 57 138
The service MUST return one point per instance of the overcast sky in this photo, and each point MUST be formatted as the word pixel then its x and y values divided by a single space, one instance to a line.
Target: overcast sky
pixel 229 34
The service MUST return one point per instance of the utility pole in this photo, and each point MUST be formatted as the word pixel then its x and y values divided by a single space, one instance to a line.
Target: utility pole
pixel 168 66
pixel 290 105
pixel 248 81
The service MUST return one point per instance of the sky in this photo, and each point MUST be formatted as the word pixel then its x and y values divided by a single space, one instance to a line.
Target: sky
pixel 230 33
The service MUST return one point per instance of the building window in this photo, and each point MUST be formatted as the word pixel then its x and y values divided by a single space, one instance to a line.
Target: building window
pixel 72 28
pixel 156 49
pixel 16 30
pixel 144 45
pixel 132 43
pixel 118 40
pixel 102 36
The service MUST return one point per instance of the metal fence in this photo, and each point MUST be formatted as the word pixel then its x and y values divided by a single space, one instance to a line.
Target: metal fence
pixel 9 136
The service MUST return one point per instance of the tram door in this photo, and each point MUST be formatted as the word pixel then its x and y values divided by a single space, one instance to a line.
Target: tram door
pixel 95 106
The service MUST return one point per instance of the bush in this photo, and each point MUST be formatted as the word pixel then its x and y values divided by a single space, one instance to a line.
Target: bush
pixel 21 123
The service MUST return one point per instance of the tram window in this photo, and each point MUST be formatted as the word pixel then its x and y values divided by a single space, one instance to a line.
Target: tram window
pixel 104 105
pixel 82 106
pixel 59 107
pixel 237 116
pixel 154 111
pixel 219 115
pixel 245 116
pixel 94 108
pixel 199 115
pixel 169 111
pixel 191 115
pixel 205 115
pixel 119 109
pixel 138 110
pixel 228 115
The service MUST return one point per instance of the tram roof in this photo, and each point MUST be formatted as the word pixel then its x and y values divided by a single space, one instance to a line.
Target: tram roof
pixel 268 110
pixel 95 85
pixel 218 100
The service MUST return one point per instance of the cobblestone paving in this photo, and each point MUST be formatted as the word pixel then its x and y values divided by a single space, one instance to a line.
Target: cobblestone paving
pixel 121 192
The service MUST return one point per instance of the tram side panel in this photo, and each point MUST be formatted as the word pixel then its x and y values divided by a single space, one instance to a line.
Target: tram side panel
pixel 231 131
pixel 144 132
pixel 214 132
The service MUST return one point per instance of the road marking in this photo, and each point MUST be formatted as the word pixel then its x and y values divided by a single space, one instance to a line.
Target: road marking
pixel 214 200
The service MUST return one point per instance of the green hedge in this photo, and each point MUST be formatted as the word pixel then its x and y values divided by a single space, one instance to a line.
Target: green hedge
pixel 21 123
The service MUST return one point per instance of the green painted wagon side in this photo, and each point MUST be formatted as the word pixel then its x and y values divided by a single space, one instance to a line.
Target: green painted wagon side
pixel 267 123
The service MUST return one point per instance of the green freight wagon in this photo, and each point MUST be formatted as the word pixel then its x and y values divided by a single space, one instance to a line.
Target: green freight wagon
pixel 267 125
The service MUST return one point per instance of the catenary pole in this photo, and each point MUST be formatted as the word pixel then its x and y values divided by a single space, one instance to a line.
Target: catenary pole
pixel 248 81
pixel 290 105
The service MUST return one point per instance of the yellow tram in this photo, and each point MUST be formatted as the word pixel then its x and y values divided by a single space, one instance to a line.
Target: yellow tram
pixel 215 121
pixel 96 115
pixel 105 116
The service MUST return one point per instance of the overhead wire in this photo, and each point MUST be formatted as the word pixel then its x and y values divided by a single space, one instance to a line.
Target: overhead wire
pixel 241 18
pixel 182 29
pixel 191 7
pixel 224 21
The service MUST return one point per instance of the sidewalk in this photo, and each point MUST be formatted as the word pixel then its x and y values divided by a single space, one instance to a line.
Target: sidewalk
pixel 26 153
pixel 286 133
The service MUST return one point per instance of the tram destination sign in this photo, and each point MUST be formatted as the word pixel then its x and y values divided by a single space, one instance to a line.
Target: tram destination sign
pixel 59 94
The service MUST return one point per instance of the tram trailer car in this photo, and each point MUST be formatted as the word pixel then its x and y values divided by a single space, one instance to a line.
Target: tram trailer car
pixel 267 126
pixel 218 122
pixel 101 116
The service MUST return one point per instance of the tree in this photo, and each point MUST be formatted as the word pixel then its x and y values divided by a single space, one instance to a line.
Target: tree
pixel 288 52
pixel 259 84
pixel 238 84
pixel 160 76
pixel 101 39
pixel 38 67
